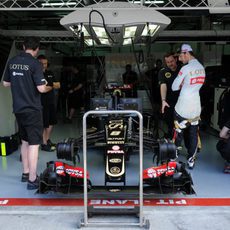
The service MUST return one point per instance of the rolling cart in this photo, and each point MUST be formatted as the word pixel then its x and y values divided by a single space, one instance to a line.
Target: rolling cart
pixel 138 212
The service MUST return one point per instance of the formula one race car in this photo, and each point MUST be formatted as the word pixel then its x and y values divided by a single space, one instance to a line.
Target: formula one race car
pixel 118 138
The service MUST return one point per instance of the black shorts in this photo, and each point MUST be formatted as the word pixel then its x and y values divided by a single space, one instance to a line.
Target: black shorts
pixel 30 127
pixel 49 115
pixel 75 100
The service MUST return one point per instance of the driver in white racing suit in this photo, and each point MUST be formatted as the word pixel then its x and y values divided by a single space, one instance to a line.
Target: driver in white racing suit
pixel 188 107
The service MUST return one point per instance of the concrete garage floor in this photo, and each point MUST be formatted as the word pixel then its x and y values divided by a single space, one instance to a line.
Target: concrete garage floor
pixel 161 218
pixel 208 209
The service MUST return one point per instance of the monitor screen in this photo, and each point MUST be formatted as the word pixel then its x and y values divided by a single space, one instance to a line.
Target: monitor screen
pixel 101 104
pixel 130 104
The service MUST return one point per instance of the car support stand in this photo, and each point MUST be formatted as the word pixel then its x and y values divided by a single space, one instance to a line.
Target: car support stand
pixel 142 221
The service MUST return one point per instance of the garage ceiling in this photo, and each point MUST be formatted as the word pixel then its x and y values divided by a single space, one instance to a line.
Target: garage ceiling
pixel 194 20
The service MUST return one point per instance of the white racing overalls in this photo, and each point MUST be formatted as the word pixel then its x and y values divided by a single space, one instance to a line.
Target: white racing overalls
pixel 188 107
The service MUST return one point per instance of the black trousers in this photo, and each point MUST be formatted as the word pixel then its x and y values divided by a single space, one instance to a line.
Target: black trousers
pixel 184 129
pixel 169 120
pixel 223 146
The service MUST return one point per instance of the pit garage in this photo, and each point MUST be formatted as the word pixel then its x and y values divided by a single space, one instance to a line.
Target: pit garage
pixel 114 159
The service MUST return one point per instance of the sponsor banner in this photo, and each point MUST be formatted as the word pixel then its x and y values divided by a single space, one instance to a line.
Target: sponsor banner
pixel 115 142
pixel 115 151
pixel 197 80
pixel 115 202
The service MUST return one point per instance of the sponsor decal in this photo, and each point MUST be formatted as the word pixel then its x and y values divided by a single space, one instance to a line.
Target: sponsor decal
pixel 197 80
pixel 115 133
pixel 115 170
pixel 115 142
pixel 168 75
pixel 60 170
pixel 74 172
pixel 157 171
pixel 180 73
pixel 17 74
pixel 115 138
pixel 116 147
pixel 19 67
pixel 116 125
pixel 115 160
pixel 197 72
pixel 114 151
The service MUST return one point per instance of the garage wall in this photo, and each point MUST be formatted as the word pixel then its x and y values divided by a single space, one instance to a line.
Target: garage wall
pixel 7 119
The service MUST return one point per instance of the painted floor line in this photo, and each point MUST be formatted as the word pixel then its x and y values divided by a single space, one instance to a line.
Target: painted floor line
pixel 115 202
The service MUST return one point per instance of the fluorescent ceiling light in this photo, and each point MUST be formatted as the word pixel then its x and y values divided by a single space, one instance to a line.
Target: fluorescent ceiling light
pixel 104 41
pixel 100 32
pixel 89 42
pixel 74 30
pixel 130 31
pixel 78 29
pixel 117 21
pixel 127 41
pixel 150 30
pixel 83 29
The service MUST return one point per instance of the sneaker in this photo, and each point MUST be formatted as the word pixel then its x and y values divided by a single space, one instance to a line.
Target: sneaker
pixel 49 142
pixel 31 185
pixel 191 163
pixel 47 148
pixel 25 177
pixel 227 167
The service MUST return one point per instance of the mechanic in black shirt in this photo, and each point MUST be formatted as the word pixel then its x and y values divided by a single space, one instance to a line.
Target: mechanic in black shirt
pixel 169 98
pixel 153 85
pixel 25 77
pixel 130 77
pixel 75 92
pixel 49 105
